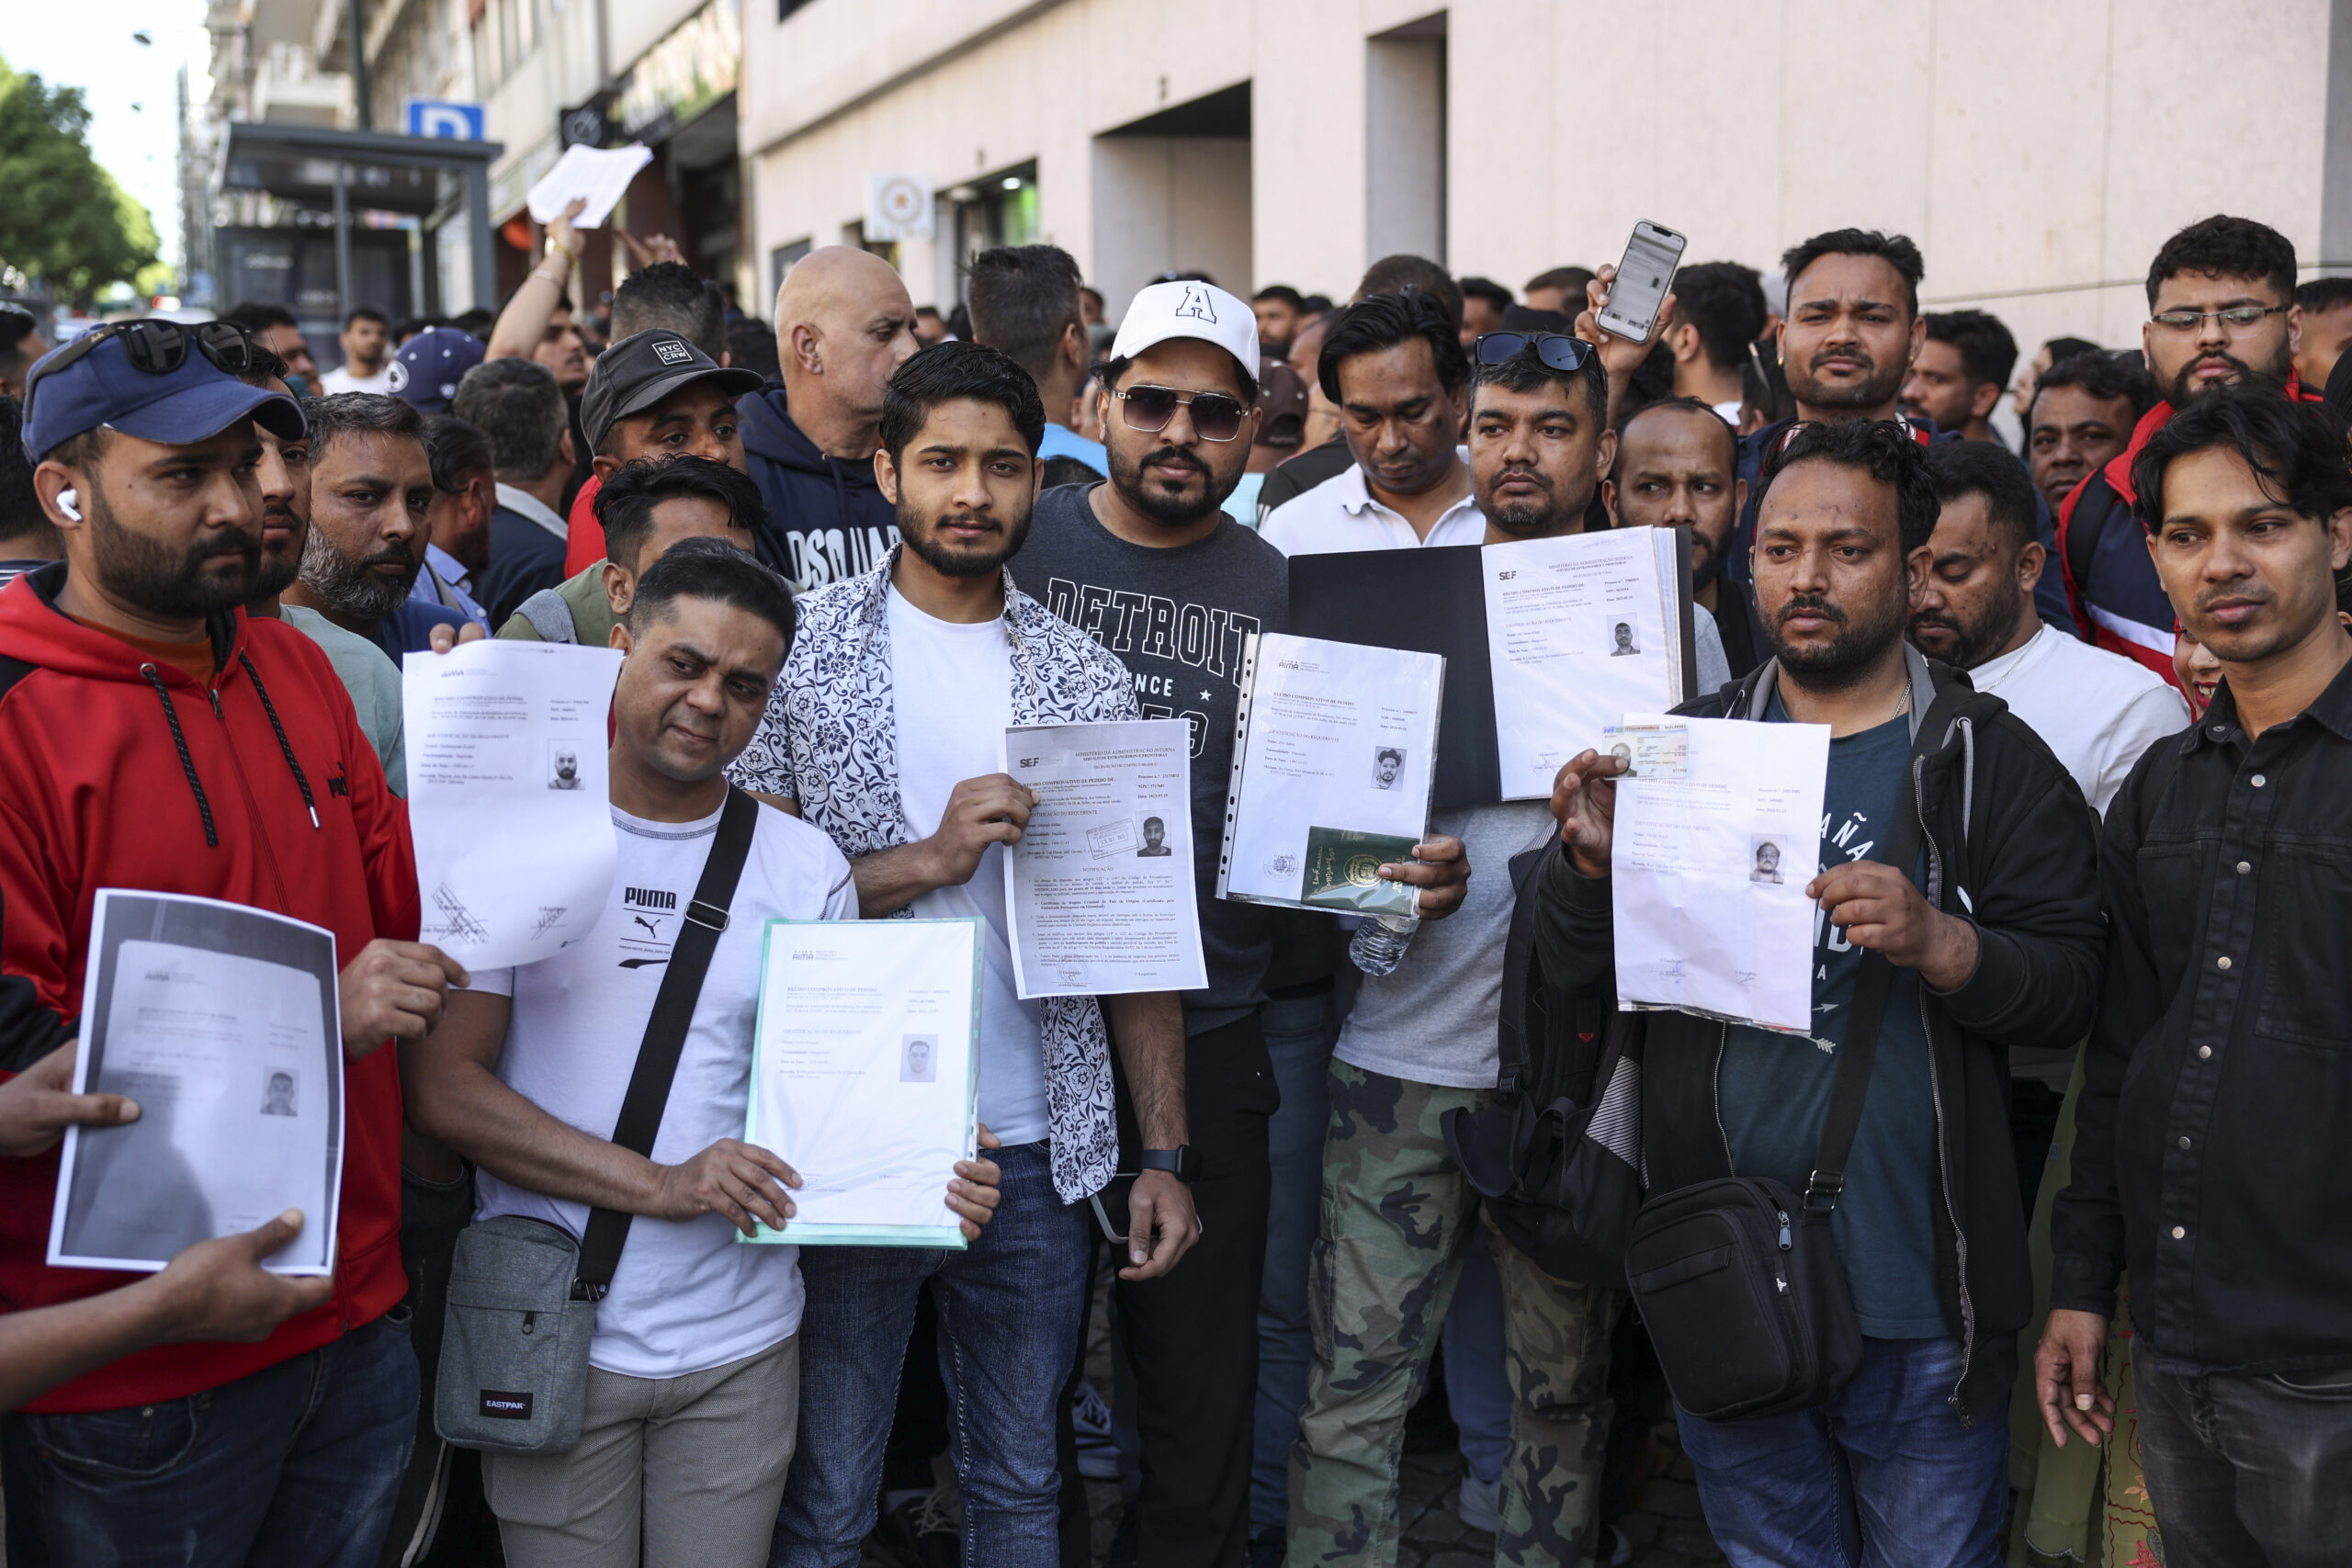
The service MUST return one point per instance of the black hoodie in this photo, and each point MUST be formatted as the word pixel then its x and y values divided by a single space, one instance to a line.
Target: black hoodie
pixel 827 519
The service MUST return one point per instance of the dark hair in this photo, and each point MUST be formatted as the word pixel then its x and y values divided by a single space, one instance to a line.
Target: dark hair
pixel 458 451
pixel 1882 448
pixel 21 517
pixel 1726 302
pixel 1380 322
pixel 673 297
pixel 516 403
pixel 1391 275
pixel 750 343
pixel 2295 455
pixel 715 570
pixel 625 501
pixel 1572 279
pixel 1987 352
pixel 1487 289
pixel 2062 348
pixel 476 323
pixel 1895 250
pixel 1524 372
pixel 1684 405
pixel 1764 385
pixel 1316 304
pixel 2226 247
pixel 1023 299
pixel 260 315
pixel 411 327
pixel 367 313
pixel 2324 294
pixel 262 365
pixel 16 326
pixel 1282 292
pixel 947 372
pixel 1990 470
pixel 1065 469
pixel 2101 375
pixel 356 414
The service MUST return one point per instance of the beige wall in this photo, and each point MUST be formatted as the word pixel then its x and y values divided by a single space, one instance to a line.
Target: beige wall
pixel 2036 149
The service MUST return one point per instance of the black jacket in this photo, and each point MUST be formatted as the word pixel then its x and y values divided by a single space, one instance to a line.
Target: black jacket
pixel 2210 1146
pixel 2010 846
pixel 524 559
pixel 827 519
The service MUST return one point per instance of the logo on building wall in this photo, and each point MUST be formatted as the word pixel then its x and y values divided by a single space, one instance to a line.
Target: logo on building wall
pixel 898 207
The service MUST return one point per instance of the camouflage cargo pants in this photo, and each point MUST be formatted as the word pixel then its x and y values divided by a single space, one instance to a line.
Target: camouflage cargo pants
pixel 1396 1215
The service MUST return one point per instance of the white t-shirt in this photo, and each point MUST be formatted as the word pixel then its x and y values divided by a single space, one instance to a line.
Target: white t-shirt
pixel 686 1297
pixel 1340 515
pixel 952 683
pixel 2098 711
pixel 341 380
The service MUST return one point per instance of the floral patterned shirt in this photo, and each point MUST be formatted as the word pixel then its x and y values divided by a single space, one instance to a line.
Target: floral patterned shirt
pixel 829 740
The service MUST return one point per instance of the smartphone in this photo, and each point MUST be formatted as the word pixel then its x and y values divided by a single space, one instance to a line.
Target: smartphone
pixel 1643 275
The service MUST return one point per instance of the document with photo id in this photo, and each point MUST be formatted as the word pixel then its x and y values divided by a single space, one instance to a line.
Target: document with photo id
pixel 1718 832
pixel 1331 772
pixel 864 1075
pixel 224 1024
pixel 1099 891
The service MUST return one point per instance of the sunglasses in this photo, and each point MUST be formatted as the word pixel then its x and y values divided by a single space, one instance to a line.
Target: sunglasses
pixel 1558 350
pixel 154 346
pixel 1215 417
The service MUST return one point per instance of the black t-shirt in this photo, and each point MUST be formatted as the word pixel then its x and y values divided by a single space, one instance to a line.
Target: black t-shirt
pixel 1177 619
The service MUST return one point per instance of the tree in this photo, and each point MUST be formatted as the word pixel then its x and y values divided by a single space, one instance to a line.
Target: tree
pixel 66 221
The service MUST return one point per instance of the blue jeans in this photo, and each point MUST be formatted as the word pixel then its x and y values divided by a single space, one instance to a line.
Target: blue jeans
pixel 1299 1034
pixel 2247 1468
pixel 298 1463
pixel 1011 1308
pixel 1477 1386
pixel 1883 1476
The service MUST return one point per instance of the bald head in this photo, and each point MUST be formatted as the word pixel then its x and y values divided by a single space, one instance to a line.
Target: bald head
pixel 843 322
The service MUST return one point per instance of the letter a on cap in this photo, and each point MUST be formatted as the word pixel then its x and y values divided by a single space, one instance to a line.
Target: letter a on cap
pixel 1197 304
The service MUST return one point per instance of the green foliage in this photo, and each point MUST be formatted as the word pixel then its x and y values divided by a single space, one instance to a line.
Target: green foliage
pixel 64 219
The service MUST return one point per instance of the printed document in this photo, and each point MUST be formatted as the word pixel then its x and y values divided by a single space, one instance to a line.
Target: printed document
pixel 1330 774
pixel 221 1021
pixel 1100 887
pixel 862 1076
pixel 1717 834
pixel 507 795
pixel 1580 629
pixel 596 174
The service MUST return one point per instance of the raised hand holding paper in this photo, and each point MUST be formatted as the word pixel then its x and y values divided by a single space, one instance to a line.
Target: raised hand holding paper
pixel 1709 867
pixel 596 175
pixel 1100 887
pixel 221 1021
pixel 508 797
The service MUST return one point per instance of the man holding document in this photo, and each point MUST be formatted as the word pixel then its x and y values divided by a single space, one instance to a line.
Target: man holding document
pixel 894 706
pixel 2000 949
pixel 692 1396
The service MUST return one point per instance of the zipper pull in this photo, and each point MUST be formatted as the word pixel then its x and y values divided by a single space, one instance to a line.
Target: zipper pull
pixel 1787 1242
pixel 216 702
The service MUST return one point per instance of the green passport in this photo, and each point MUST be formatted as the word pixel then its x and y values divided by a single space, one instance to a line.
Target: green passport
pixel 1344 872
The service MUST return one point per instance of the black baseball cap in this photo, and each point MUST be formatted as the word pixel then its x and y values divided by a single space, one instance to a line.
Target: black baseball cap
pixel 640 370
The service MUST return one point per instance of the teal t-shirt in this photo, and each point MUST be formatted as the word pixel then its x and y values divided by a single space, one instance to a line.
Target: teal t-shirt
pixel 1773 1089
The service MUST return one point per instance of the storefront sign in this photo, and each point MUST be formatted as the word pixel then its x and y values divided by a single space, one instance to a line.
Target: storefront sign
pixel 683 75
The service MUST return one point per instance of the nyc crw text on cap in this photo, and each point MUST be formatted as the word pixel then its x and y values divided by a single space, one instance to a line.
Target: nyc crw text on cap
pixel 643 368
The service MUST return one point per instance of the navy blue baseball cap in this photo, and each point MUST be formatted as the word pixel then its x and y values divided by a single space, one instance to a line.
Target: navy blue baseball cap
pixel 82 386
pixel 425 372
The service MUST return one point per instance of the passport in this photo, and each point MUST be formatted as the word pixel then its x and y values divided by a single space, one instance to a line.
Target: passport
pixel 1344 872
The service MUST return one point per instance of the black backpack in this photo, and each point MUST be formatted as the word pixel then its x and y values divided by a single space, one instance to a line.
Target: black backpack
pixel 1556 1154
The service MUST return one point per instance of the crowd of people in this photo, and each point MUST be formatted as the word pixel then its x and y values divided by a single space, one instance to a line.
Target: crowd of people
pixel 2088 686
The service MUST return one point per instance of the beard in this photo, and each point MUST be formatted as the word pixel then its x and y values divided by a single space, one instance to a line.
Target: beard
pixel 1847 657
pixel 280 568
pixel 1875 389
pixel 353 587
pixel 1536 517
pixel 1156 504
pixel 2185 386
pixel 144 571
pixel 1974 642
pixel 922 537
pixel 1707 555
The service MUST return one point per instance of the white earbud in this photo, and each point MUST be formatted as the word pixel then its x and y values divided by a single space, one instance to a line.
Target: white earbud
pixel 69 501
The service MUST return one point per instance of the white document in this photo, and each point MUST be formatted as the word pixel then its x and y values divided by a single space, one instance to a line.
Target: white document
pixel 600 176
pixel 1580 629
pixel 508 798
pixel 1332 774
pixel 1709 869
pixel 864 1075
pixel 1100 888
pixel 236 1061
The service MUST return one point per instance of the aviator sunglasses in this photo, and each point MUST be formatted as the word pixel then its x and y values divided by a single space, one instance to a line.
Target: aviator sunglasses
pixel 1215 417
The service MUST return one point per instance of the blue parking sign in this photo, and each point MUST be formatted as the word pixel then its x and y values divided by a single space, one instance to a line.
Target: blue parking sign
pixel 449 122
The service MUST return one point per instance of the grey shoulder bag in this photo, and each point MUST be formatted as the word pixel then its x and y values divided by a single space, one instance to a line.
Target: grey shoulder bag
pixel 523 1294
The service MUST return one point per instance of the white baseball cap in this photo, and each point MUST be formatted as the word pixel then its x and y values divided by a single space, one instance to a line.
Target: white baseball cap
pixel 1166 310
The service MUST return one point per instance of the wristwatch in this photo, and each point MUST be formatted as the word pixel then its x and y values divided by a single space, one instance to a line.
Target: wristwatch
pixel 1180 1162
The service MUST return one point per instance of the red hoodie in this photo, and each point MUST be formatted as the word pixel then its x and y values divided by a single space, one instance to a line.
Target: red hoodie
pixel 122 773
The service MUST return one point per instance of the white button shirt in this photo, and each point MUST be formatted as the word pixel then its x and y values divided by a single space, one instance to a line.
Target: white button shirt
pixel 1340 515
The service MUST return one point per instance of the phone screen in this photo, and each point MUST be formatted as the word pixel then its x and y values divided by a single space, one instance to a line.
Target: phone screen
pixel 1642 279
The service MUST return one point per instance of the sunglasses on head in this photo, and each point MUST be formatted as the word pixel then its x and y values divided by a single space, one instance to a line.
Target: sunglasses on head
pixel 1215 417
pixel 1558 350
pixel 155 346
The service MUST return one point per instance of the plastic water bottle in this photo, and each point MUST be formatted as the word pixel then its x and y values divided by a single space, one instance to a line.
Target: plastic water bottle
pixel 1380 943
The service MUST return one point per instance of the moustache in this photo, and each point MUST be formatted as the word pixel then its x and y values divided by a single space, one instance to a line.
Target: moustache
pixel 1532 475
pixel 941 524
pixel 1174 455
pixel 234 544
pixel 390 555
pixel 1806 605
pixel 2205 602
pixel 1841 351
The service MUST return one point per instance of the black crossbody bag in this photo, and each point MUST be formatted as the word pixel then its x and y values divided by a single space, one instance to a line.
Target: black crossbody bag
pixel 523 1294
pixel 1737 1279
